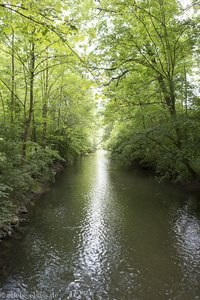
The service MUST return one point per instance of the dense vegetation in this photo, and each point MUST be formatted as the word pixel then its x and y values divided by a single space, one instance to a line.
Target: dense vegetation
pixel 46 105
pixel 148 53
pixel 144 56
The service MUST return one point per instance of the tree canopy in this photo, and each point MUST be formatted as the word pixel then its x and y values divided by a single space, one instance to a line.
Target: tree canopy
pixel 147 53
pixel 47 110
pixel 142 54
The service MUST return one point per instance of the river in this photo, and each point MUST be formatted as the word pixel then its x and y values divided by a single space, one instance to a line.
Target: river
pixel 102 233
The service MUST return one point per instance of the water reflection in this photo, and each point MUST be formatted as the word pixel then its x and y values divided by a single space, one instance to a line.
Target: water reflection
pixel 92 262
pixel 187 245
pixel 187 229
pixel 105 234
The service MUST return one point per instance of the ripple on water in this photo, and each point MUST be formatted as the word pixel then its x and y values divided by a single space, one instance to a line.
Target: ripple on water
pixel 105 234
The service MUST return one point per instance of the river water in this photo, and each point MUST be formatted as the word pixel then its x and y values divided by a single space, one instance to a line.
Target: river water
pixel 105 234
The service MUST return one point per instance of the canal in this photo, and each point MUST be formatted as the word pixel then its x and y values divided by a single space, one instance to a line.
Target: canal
pixel 105 234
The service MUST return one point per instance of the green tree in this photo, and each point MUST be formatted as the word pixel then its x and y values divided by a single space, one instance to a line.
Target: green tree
pixel 146 51
pixel 46 105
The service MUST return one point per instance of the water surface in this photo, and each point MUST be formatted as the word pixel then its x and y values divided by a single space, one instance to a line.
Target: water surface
pixel 105 234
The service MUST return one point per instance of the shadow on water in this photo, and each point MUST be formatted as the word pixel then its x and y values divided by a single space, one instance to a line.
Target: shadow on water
pixel 103 233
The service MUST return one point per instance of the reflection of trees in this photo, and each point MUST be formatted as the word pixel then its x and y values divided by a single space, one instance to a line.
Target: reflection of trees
pixel 100 257
pixel 187 231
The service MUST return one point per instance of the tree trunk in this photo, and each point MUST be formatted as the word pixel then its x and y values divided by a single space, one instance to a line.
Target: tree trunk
pixel 186 90
pixel 60 101
pixel 12 104
pixel 31 99
pixel 45 101
pixel 34 136
pixel 169 96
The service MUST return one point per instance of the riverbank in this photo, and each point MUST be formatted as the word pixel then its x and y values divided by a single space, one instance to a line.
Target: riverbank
pixel 98 233
pixel 13 224
pixel 187 185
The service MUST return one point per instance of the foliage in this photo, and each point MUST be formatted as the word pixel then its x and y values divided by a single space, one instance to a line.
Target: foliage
pixel 7 207
pixel 147 52
pixel 144 54
pixel 46 104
